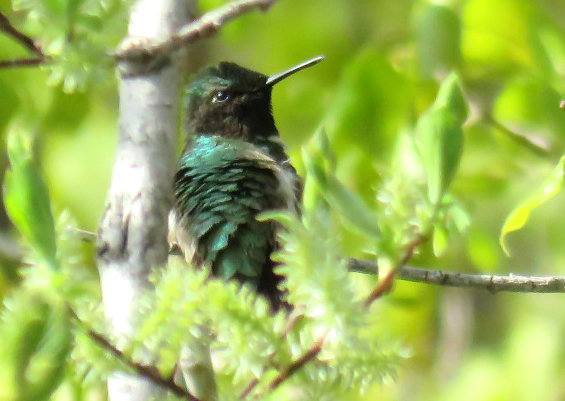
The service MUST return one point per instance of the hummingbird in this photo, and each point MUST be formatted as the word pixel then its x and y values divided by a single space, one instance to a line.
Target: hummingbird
pixel 233 167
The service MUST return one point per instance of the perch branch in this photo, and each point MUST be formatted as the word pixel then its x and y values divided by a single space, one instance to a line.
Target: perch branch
pixel 491 282
pixel 205 26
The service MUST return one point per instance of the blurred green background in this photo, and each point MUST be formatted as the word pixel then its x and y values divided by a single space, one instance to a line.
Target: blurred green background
pixel 384 59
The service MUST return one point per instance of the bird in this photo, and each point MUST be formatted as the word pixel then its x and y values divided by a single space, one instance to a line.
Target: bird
pixel 234 166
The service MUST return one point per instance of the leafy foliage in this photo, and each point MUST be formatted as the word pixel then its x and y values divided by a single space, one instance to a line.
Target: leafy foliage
pixel 384 172
pixel 77 35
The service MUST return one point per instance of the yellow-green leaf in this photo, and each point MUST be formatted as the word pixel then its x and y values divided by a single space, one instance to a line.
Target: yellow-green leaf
pixel 520 215
pixel 439 137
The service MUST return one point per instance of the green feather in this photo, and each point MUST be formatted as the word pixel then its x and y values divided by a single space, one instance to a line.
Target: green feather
pixel 221 186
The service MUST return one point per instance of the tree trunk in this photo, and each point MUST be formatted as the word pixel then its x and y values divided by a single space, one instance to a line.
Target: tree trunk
pixel 132 235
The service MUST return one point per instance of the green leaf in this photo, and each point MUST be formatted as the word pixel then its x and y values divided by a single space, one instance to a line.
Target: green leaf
pixel 348 204
pixel 438 39
pixel 439 137
pixel 520 215
pixel 27 200
pixel 450 96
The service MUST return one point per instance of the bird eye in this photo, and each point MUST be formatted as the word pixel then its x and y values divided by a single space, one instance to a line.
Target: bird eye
pixel 221 96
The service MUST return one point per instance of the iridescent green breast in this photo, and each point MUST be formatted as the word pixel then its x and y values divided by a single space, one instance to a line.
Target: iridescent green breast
pixel 220 187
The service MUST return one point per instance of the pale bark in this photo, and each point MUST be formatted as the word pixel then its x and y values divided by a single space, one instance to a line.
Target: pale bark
pixel 132 236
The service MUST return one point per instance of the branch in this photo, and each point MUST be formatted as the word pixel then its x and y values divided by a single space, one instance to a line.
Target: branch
pixel 205 26
pixel 491 282
pixel 386 283
pixel 7 27
pixel 149 372
pixel 22 62
pixel 290 324
pixel 524 140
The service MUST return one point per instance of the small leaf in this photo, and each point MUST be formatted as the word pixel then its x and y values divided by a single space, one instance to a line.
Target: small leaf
pixel 450 96
pixel 27 200
pixel 439 137
pixel 348 204
pixel 520 215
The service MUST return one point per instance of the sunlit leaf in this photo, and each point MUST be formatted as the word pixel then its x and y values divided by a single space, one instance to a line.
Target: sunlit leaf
pixel 349 205
pixel 520 215
pixel 439 137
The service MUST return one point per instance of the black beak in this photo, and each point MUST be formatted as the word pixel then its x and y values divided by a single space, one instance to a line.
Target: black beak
pixel 273 79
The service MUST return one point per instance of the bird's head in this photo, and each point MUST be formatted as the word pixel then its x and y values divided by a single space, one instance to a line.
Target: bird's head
pixel 233 101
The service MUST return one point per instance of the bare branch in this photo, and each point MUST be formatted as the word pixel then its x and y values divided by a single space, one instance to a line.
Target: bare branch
pixel 205 26
pixel 491 282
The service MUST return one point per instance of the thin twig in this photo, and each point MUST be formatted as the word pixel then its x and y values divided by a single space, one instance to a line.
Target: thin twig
pixel 298 363
pixel 149 372
pixel 524 140
pixel 205 26
pixel 22 62
pixel 290 325
pixel 7 27
pixel 386 283
pixel 249 388
pixel 85 235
